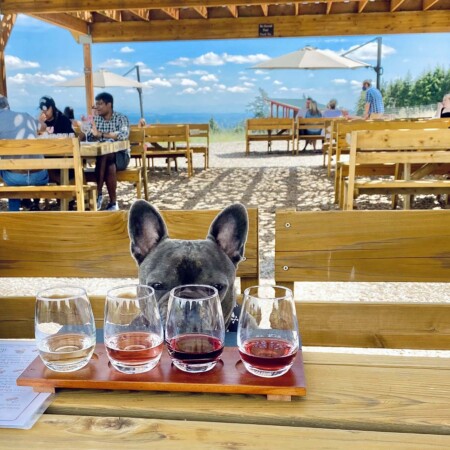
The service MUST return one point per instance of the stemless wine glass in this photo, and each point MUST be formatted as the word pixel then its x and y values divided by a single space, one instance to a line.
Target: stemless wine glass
pixel 64 328
pixel 132 330
pixel 267 333
pixel 195 329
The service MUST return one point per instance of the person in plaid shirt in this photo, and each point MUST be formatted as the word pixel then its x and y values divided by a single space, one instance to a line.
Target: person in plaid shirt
pixel 109 125
pixel 374 107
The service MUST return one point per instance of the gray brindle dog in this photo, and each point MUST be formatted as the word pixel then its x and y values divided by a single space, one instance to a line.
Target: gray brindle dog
pixel 165 263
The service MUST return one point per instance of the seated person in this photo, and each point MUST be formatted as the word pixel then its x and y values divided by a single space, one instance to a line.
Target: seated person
pixel 108 125
pixel 311 113
pixel 331 110
pixel 15 125
pixel 443 108
pixel 52 120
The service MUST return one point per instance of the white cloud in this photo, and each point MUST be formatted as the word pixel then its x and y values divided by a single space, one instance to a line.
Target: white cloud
pixel 209 77
pixel 38 78
pixel 182 61
pixel 339 81
pixel 127 49
pixel 369 52
pixel 220 87
pixel 267 78
pixel 190 73
pixel 189 91
pixel 277 82
pixel 162 82
pixel 238 89
pixel 284 89
pixel 188 82
pixel 213 59
pixel 248 84
pixel 260 72
pixel 114 64
pixel 68 73
pixel 146 71
pixel 13 62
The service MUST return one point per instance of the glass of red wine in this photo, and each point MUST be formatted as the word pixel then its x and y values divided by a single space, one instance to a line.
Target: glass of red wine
pixel 133 330
pixel 195 329
pixel 267 334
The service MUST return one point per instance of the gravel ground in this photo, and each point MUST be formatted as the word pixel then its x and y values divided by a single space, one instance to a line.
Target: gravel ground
pixel 265 181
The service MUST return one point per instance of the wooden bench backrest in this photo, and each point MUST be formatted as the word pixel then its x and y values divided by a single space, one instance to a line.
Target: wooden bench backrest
pixel 389 246
pixel 58 154
pixel 167 133
pixel 312 122
pixel 269 123
pixel 137 139
pixel 344 128
pixel 88 245
pixel 198 129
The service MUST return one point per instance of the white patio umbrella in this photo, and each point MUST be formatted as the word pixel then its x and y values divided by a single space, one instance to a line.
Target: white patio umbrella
pixel 311 58
pixel 104 79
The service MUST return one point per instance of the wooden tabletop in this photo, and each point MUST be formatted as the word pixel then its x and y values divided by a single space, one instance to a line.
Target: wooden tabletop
pixel 353 402
pixel 102 148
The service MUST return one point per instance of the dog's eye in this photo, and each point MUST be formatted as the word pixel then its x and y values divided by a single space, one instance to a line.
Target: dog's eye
pixel 157 286
pixel 219 287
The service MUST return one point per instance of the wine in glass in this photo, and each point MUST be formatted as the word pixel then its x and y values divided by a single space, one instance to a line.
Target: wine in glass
pixel 133 329
pixel 64 328
pixel 267 336
pixel 85 127
pixel 195 329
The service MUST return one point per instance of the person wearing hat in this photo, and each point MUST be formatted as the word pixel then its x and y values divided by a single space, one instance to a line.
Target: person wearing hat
pixel 52 119
pixel 108 125
pixel 17 125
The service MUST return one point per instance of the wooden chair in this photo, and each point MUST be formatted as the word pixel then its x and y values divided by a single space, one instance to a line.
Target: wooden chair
pixel 366 246
pixel 88 245
pixel 304 124
pixel 269 130
pixel 62 154
pixel 199 140
pixel 427 147
pixel 175 141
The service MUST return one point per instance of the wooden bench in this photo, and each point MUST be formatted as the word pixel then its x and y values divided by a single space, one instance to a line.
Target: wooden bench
pixel 342 145
pixel 87 245
pixel 269 130
pixel 316 123
pixel 61 154
pixel 427 147
pixel 199 140
pixel 175 142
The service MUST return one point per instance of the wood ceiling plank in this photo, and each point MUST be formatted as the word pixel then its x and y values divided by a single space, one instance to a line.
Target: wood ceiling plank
pixel 53 6
pixel 329 5
pixel 427 4
pixel 287 26
pixel 265 10
pixel 202 10
pixel 172 12
pixel 111 14
pixel 362 5
pixel 395 4
pixel 140 13
pixel 233 10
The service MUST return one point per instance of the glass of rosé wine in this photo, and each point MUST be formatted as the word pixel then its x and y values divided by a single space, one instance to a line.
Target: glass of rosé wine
pixel 133 331
pixel 195 329
pixel 267 335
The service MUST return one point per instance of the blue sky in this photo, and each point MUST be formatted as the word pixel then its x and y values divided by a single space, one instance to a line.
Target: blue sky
pixel 202 76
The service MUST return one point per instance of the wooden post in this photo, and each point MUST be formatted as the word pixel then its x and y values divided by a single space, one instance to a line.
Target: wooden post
pixel 89 84
pixel 6 26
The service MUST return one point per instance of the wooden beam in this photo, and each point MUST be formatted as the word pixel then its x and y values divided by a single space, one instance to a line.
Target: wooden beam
pixel 65 21
pixel 46 6
pixel 6 26
pixel 427 4
pixel 233 10
pixel 202 10
pixel 362 5
pixel 329 5
pixel 86 16
pixel 265 10
pixel 173 13
pixel 89 81
pixel 111 14
pixel 395 4
pixel 286 26
pixel 141 13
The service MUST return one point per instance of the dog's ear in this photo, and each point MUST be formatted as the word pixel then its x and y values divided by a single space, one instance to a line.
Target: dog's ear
pixel 146 228
pixel 229 230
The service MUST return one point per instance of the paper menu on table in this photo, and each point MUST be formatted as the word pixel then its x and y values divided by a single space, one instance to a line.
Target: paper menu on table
pixel 20 406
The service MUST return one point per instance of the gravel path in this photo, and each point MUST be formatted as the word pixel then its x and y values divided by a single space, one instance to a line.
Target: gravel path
pixel 264 181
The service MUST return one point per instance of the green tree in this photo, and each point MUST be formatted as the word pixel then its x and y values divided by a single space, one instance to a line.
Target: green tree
pixel 213 125
pixel 259 107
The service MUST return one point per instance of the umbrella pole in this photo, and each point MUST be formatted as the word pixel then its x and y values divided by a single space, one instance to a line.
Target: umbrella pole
pixel 141 106
pixel 89 82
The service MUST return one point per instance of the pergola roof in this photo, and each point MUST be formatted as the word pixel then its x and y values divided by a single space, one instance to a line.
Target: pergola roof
pixel 163 20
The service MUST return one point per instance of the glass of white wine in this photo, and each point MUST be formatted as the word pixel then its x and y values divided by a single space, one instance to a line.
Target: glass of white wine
pixel 64 328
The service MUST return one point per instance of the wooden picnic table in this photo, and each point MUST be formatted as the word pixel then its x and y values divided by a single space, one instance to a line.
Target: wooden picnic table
pixel 92 149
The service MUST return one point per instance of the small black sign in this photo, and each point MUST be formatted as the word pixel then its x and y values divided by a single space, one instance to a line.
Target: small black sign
pixel 266 29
